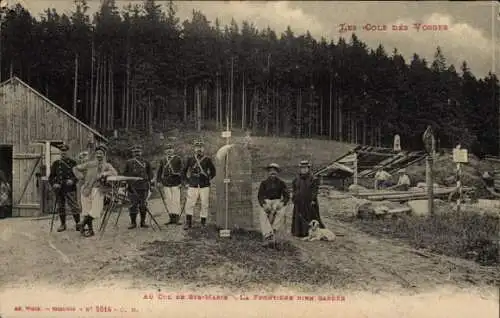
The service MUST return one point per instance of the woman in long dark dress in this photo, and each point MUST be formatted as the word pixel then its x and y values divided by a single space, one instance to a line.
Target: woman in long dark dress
pixel 305 200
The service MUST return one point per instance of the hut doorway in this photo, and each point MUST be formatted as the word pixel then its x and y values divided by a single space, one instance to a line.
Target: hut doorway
pixel 6 152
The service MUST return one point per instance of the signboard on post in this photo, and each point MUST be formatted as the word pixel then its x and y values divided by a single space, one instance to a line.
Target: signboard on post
pixel 460 155
pixel 397 143
pixel 429 141
pixel 226 134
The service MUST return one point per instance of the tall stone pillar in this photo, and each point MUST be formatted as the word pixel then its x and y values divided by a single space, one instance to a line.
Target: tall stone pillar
pixel 239 194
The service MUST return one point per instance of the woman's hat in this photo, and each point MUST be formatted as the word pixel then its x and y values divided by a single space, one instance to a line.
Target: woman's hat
pixel 102 148
pixel 304 163
pixel 274 166
pixel 403 170
pixel 169 146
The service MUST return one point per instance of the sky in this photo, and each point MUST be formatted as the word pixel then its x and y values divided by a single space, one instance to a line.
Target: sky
pixel 469 30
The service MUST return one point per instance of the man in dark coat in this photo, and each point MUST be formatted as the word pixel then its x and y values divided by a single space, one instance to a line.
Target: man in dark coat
pixel 63 182
pixel 169 180
pixel 273 196
pixel 138 191
pixel 305 200
pixel 198 172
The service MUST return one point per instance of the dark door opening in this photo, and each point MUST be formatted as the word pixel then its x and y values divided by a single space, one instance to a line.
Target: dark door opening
pixel 6 152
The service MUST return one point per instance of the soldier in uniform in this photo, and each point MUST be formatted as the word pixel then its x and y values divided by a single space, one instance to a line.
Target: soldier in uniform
pixel 199 171
pixel 169 179
pixel 138 191
pixel 273 196
pixel 63 182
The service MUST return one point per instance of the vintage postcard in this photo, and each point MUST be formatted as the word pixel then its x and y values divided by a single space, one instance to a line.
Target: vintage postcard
pixel 249 159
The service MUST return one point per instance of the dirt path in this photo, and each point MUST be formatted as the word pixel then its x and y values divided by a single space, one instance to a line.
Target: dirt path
pixel 34 255
pixel 31 256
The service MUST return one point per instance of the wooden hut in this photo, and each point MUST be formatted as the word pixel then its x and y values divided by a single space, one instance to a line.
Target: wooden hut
pixel 30 127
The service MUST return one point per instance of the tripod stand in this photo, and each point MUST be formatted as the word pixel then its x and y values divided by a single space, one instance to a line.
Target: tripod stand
pixel 54 208
pixel 118 202
pixel 54 212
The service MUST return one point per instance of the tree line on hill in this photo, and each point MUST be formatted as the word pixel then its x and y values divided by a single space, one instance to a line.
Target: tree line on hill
pixel 140 67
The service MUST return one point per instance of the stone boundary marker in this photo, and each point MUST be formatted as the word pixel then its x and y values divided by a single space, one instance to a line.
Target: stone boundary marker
pixel 240 193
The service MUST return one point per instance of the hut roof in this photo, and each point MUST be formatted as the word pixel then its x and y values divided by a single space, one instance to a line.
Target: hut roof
pixel 15 79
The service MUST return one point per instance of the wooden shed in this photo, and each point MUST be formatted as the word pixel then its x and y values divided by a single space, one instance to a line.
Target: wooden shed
pixel 30 126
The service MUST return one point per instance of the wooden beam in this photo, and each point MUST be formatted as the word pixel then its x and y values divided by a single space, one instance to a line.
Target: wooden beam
pixel 373 153
pixel 34 206
pixel 26 156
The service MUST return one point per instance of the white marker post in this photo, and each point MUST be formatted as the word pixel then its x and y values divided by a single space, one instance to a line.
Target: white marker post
pixel 460 156
pixel 226 232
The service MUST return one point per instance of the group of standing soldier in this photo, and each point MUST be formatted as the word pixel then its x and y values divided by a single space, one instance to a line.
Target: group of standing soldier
pixel 88 177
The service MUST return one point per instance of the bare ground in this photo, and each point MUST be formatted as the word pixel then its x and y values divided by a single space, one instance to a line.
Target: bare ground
pixel 147 259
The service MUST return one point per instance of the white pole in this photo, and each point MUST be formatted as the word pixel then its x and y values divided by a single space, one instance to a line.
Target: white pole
pixel 355 176
pixel 47 158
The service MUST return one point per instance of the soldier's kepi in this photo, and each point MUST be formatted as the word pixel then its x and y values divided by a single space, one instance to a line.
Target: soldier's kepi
pixel 169 178
pixel 199 171
pixel 63 182
pixel 138 191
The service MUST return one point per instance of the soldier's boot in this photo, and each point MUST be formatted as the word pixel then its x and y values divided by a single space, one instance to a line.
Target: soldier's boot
pixel 77 221
pixel 269 241
pixel 203 222
pixel 189 222
pixel 177 219
pixel 62 227
pixel 143 219
pixel 91 226
pixel 133 221
pixel 171 219
pixel 82 226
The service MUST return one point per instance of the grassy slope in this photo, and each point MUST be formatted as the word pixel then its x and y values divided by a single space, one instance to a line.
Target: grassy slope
pixel 287 152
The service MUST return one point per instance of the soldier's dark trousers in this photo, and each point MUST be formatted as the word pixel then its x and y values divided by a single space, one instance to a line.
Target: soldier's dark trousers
pixel 138 198
pixel 69 198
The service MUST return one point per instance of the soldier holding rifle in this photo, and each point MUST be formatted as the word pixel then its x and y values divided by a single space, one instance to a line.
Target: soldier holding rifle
pixel 169 178
pixel 63 182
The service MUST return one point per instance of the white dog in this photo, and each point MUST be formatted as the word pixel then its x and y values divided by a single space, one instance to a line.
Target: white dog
pixel 316 233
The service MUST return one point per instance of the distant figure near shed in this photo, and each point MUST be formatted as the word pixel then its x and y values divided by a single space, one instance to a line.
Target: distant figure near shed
pixel 239 194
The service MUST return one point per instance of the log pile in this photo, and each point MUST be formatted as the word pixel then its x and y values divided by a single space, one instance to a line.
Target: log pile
pixel 416 193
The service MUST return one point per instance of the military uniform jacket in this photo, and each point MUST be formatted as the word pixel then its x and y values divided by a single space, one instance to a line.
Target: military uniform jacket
pixel 199 171
pixel 170 171
pixel 61 171
pixel 138 167
pixel 273 189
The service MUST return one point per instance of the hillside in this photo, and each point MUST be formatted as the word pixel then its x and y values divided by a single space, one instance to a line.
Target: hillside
pixel 287 152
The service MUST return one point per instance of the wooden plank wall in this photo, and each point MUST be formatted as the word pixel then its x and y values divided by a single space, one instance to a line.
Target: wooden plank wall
pixel 26 117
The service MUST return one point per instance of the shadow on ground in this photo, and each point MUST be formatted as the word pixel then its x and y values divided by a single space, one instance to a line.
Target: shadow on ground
pixel 240 261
